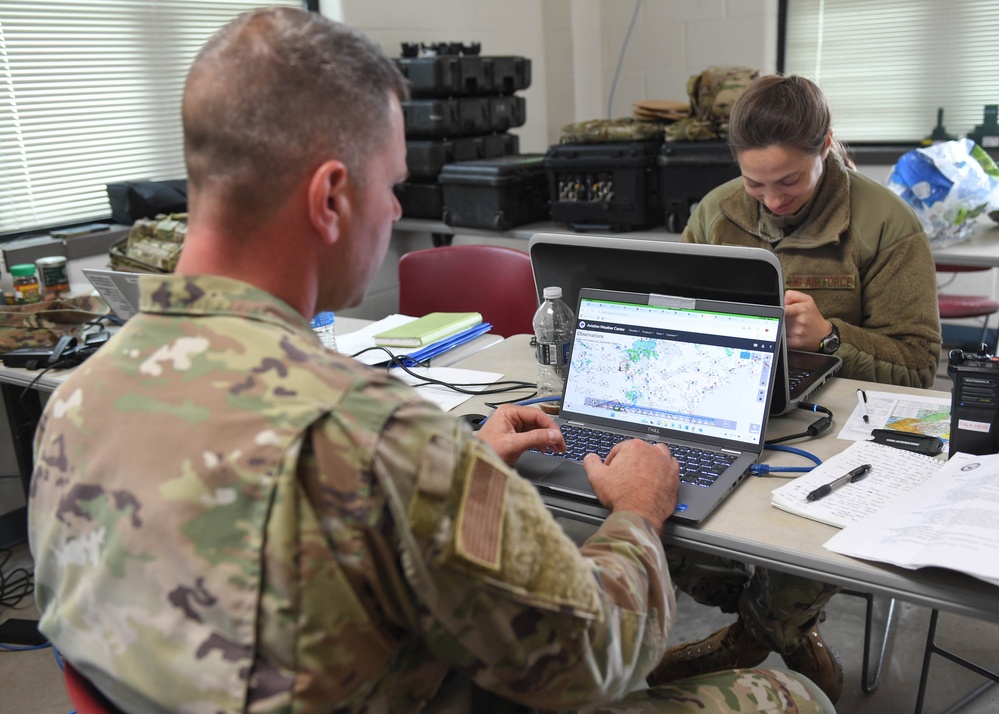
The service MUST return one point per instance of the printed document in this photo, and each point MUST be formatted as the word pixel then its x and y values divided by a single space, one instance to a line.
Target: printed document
pixel 447 399
pixel 908 413
pixel 950 521
pixel 893 473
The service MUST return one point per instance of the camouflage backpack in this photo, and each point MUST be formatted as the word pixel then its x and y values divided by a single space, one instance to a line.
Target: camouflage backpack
pixel 712 94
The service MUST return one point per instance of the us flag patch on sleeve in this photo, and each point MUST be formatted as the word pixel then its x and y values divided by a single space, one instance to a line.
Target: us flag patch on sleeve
pixel 480 519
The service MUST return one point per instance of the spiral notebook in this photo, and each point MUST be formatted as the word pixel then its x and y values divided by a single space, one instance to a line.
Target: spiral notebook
pixel 894 472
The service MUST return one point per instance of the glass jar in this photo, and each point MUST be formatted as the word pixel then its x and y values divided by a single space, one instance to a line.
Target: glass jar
pixel 26 288
pixel 53 276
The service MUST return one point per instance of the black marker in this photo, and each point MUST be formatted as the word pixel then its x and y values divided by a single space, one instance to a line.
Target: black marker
pixel 852 477
pixel 862 400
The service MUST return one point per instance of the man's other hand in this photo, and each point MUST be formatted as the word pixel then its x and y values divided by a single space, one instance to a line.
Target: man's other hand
pixel 636 476
pixel 512 430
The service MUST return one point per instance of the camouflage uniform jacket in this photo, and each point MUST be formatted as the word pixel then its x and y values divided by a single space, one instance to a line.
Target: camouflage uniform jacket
pixel 226 517
pixel 863 257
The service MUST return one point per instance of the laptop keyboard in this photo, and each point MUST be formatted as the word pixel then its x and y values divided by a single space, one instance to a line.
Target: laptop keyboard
pixel 697 466
pixel 796 375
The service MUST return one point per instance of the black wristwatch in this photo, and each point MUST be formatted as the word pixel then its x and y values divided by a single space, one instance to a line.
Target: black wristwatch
pixel 830 343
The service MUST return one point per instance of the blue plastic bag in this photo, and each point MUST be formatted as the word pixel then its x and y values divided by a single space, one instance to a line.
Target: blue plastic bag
pixel 948 185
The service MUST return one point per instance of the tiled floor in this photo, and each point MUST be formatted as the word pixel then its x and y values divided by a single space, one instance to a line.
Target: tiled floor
pixel 843 630
pixel 31 682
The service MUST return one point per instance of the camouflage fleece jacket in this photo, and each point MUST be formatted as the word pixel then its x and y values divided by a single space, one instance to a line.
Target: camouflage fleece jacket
pixel 863 257
pixel 226 517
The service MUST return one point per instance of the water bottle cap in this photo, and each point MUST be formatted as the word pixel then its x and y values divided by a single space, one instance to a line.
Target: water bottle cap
pixel 323 319
pixel 553 293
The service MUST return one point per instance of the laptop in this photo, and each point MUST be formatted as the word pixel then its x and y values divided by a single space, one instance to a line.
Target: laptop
pixel 715 272
pixel 695 374
pixel 120 290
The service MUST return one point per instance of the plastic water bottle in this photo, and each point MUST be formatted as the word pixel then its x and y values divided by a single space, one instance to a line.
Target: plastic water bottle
pixel 6 285
pixel 554 325
pixel 324 325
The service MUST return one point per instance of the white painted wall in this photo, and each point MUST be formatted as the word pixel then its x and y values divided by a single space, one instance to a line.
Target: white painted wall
pixel 575 47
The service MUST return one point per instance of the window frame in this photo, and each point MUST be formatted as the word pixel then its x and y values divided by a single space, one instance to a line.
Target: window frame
pixel 22 73
pixel 869 151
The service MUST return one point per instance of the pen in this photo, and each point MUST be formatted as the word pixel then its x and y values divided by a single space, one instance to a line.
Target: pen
pixel 851 477
pixel 862 401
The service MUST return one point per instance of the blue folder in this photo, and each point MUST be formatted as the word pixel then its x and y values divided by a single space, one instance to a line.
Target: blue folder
pixel 432 350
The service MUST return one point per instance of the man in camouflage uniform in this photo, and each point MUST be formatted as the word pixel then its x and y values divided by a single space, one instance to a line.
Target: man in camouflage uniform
pixel 225 517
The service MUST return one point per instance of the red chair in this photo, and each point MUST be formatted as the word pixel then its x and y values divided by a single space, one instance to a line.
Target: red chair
pixel 85 696
pixel 954 307
pixel 492 280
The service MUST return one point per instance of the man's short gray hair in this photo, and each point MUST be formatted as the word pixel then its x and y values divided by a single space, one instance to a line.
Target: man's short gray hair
pixel 276 92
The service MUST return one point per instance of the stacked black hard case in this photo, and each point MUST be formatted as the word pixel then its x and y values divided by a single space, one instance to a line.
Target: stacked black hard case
pixel 497 194
pixel 461 109
pixel 688 171
pixel 633 185
pixel 610 186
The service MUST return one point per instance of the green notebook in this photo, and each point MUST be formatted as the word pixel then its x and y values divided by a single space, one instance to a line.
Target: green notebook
pixel 428 329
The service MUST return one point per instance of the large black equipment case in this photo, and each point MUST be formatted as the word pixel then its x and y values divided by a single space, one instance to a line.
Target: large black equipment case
pixel 612 186
pixel 466 116
pixel 421 199
pixel 132 200
pixel 495 194
pixel 426 157
pixel 690 169
pixel 465 75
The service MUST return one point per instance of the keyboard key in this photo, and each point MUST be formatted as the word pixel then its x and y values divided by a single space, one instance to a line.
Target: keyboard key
pixel 697 467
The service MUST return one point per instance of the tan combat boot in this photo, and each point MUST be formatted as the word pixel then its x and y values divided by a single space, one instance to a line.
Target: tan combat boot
pixel 819 663
pixel 729 648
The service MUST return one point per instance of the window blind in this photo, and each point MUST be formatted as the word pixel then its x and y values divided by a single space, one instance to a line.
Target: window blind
pixel 90 94
pixel 887 65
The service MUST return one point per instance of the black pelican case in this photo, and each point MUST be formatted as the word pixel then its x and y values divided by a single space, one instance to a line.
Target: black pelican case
pixel 465 75
pixel 426 157
pixel 608 186
pixel 689 170
pixel 495 194
pixel 420 199
pixel 462 116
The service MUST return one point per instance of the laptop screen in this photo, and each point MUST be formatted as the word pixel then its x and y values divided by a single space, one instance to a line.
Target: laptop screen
pixel 119 289
pixel 674 366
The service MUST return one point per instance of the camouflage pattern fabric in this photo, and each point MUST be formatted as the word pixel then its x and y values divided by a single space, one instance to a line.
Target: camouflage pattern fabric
pixel 747 691
pixel 777 608
pixel 712 94
pixel 605 130
pixel 153 245
pixel 41 324
pixel 224 516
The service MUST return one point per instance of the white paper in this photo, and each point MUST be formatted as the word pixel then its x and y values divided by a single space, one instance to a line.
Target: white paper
pixel 353 342
pixel 950 521
pixel 907 413
pixel 443 397
pixel 893 473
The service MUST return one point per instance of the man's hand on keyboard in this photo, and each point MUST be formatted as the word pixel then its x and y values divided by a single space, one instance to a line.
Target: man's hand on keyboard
pixel 636 476
pixel 512 430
